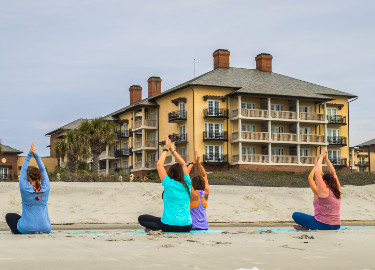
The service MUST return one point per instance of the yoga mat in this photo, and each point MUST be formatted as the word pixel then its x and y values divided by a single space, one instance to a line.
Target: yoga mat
pixel 294 230
pixel 193 231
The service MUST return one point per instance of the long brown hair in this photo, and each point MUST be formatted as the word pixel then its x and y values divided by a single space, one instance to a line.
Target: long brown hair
pixel 34 174
pixel 198 183
pixel 331 183
pixel 176 173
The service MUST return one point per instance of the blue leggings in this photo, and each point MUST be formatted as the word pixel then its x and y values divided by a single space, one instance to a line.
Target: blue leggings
pixel 311 223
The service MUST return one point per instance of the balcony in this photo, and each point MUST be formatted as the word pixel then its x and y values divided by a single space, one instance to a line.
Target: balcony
pixel 215 136
pixel 284 159
pixel 339 162
pixel 307 160
pixel 108 155
pixel 215 113
pixel 251 136
pixel 254 158
pixel 336 119
pixel 284 137
pixel 148 144
pixel 362 164
pixel 179 138
pixel 122 134
pixel 311 116
pixel 341 141
pixel 137 165
pixel 168 160
pixel 307 138
pixel 176 116
pixel 137 145
pixel 148 124
pixel 151 144
pixel 284 115
pixel 123 152
pixel 251 113
pixel 151 164
pixel 215 159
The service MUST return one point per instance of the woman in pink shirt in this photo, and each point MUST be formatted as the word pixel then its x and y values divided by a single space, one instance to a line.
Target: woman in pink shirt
pixel 328 202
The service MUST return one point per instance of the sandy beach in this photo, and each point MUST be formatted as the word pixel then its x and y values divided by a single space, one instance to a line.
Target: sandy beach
pixel 93 225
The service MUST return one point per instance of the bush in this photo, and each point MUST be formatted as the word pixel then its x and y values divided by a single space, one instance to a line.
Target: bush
pixel 83 166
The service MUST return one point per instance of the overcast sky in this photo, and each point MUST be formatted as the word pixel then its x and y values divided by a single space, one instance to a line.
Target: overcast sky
pixel 69 59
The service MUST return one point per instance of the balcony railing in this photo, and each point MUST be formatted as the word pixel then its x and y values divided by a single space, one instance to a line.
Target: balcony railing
pixel 168 159
pixel 284 159
pixel 215 159
pixel 248 135
pixel 151 164
pixel 251 113
pixel 307 160
pixel 122 134
pixel 148 123
pixel 339 162
pixel 312 138
pixel 150 143
pixel 176 116
pixel 138 165
pixel 336 140
pixel 179 138
pixel 138 144
pixel 359 164
pixel 284 115
pixel 123 152
pixel 285 137
pixel 336 119
pixel 252 158
pixel 215 136
pixel 215 113
pixel 312 116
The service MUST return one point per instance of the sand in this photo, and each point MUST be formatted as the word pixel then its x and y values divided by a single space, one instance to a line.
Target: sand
pixel 111 210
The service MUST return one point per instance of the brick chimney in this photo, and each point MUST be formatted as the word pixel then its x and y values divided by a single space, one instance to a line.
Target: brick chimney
pixel 221 58
pixel 264 62
pixel 135 93
pixel 154 86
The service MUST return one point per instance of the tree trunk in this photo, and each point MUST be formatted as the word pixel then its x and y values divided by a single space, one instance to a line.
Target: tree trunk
pixel 95 163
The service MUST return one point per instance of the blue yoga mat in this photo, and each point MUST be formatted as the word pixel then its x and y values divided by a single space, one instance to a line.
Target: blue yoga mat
pixel 294 230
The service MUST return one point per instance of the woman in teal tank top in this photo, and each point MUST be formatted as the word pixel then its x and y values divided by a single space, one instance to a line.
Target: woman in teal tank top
pixel 176 197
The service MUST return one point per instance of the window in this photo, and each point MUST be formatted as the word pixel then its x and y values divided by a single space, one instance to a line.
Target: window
pixel 125 145
pixel 248 127
pixel 247 105
pixel 214 130
pixel 4 173
pixel 333 132
pixel 334 156
pixel 214 152
pixel 152 116
pixel 331 112
pixel 115 165
pixel 125 128
pixel 139 159
pixel 305 130
pixel 182 110
pixel 305 109
pixel 182 152
pixel 125 164
pixel 305 152
pixel 277 129
pixel 152 137
pixel 213 107
pixel 115 147
pixel 277 107
pixel 248 150
pixel 182 130
pixel 152 157
pixel 276 151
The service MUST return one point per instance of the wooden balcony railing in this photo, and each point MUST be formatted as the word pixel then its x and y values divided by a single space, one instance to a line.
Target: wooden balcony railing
pixel 285 137
pixel 218 159
pixel 215 113
pixel 284 114
pixel 312 116
pixel 336 119
pixel 176 116
pixel 215 136
pixel 337 140
pixel 284 159
pixel 312 138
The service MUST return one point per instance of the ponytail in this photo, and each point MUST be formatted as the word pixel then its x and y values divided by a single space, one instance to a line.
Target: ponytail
pixel 331 183
pixel 35 175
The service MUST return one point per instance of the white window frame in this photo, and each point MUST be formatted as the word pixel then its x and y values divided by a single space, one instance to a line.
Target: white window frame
pixel 277 107
pixel 248 105
pixel 182 130
pixel 181 108
pixel 152 157
pixel 248 127
pixel 305 152
pixel 277 129
pixel 305 130
pixel 182 151
pixel 305 109
pixel 248 150
pixel 214 109
pixel 334 154
pixel 152 136
pixel 125 164
pixel 333 132
pixel 4 171
pixel 151 116
pixel 277 151
pixel 213 130
pixel 216 153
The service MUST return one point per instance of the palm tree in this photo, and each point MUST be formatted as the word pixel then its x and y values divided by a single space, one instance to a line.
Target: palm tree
pixel 74 147
pixel 98 133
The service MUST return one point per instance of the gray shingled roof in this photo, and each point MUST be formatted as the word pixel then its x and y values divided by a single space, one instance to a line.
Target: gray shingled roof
pixel 72 125
pixel 370 142
pixel 253 81
pixel 143 102
pixel 8 149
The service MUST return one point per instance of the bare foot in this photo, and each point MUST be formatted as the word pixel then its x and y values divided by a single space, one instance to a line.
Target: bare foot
pixel 300 228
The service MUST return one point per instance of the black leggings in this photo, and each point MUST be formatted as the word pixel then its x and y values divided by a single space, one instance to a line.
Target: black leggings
pixel 154 224
pixel 12 219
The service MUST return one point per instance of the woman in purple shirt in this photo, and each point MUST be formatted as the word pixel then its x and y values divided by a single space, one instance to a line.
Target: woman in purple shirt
pixel 327 203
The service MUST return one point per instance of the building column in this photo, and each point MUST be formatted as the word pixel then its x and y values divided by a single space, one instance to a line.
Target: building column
pixel 297 110
pixel 239 128
pixel 107 167
pixel 143 116
pixel 143 159
pixel 133 142
pixel 352 158
pixel 269 153
pixel 143 138
pixel 298 133
pixel 325 124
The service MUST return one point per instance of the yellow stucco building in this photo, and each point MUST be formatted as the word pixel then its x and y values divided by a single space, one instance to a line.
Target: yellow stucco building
pixel 235 117
pixel 362 157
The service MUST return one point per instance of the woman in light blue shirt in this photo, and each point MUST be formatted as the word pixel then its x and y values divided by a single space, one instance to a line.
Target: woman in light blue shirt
pixel 177 187
pixel 34 188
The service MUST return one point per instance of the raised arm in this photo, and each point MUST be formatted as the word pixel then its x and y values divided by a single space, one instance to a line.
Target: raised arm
pixel 23 175
pixel 333 172
pixel 45 179
pixel 178 158
pixel 203 172
pixel 312 184
pixel 160 165
pixel 322 187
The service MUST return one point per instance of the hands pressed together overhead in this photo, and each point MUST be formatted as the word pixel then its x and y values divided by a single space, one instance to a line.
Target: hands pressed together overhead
pixel 32 149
